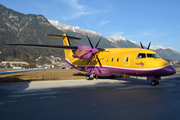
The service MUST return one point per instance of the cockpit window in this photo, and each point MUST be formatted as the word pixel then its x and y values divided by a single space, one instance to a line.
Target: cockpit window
pixel 141 55
pixel 152 56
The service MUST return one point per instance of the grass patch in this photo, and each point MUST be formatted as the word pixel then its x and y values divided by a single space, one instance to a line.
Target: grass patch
pixel 177 69
pixel 42 75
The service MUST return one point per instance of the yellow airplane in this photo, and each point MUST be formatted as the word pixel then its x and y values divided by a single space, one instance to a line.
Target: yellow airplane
pixel 111 61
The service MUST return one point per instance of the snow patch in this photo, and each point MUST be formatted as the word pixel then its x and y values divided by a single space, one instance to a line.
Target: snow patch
pixel 156 47
pixel 76 29
pixel 161 47
pixel 116 38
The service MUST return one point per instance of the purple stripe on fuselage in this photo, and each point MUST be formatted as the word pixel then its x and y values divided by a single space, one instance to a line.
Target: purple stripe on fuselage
pixel 165 71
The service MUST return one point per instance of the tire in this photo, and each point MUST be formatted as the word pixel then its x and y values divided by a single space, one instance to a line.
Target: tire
pixel 157 83
pixel 91 76
pixel 153 82
pixel 88 77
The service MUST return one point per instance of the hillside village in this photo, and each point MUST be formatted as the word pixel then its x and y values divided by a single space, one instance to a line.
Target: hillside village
pixel 50 62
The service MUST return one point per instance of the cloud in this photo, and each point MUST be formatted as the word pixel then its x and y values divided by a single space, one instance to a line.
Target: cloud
pixel 112 33
pixel 103 23
pixel 75 9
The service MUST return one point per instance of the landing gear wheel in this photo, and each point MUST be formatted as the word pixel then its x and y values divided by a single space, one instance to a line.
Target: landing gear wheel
pixel 157 82
pixel 89 77
pixel 153 82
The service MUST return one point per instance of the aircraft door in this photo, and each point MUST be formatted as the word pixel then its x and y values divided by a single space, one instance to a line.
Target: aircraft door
pixel 127 60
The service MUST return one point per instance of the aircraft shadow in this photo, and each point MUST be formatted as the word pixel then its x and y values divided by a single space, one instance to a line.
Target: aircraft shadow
pixel 13 78
pixel 12 83
pixel 131 80
pixel 142 80
pixel 79 74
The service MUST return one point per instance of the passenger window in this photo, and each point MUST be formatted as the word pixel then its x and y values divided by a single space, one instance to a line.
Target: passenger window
pixel 107 60
pixel 117 59
pixel 112 60
pixel 102 60
pixel 141 55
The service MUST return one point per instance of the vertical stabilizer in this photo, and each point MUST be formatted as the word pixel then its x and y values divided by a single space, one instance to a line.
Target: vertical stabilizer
pixel 68 53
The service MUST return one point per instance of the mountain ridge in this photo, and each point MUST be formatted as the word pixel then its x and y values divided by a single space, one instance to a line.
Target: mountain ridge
pixel 16 27
pixel 65 27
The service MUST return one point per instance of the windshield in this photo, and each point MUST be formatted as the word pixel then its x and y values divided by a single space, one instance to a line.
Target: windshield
pixel 152 56
pixel 149 55
pixel 141 55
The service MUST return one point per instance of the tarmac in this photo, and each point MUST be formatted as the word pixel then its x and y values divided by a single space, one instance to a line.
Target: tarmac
pixel 129 98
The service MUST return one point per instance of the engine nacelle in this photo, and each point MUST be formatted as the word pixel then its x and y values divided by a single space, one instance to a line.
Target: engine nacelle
pixel 84 52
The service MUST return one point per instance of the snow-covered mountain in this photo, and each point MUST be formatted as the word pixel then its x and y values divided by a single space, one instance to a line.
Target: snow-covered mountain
pixel 116 38
pixel 161 47
pixel 76 29
pixel 122 42
pixel 79 32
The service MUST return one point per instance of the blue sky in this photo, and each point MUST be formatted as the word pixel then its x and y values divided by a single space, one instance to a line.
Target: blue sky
pixel 157 21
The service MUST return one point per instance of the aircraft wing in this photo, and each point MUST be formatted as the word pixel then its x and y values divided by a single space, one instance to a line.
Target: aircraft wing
pixel 46 46
pixel 17 71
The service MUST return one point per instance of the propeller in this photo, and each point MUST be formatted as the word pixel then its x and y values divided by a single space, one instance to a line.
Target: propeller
pixel 149 45
pixel 94 51
pixel 143 46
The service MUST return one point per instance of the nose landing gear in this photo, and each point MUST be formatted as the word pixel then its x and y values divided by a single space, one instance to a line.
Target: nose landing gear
pixel 155 82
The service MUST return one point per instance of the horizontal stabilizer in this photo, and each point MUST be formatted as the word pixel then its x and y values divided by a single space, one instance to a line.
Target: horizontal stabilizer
pixel 46 46
pixel 62 36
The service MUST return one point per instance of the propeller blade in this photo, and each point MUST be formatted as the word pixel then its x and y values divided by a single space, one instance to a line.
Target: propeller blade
pixel 98 42
pixel 141 45
pixel 89 41
pixel 149 45
pixel 99 61
pixel 88 62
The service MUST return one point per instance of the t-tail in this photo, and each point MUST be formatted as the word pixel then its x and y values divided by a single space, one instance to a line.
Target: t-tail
pixel 66 42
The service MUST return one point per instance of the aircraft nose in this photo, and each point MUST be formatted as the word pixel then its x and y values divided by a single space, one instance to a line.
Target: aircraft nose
pixel 169 70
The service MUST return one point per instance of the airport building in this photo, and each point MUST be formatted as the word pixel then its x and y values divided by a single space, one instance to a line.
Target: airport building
pixel 14 62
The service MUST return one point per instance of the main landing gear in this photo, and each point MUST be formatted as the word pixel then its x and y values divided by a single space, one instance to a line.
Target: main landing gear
pixel 90 77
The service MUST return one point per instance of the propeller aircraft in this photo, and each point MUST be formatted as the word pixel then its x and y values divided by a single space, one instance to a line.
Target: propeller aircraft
pixel 111 61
